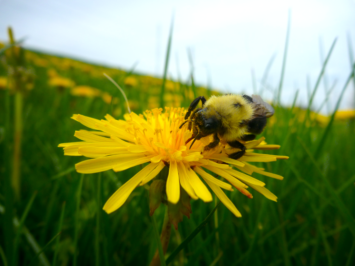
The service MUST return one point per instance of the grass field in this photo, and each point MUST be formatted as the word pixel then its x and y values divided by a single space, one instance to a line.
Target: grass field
pixel 52 215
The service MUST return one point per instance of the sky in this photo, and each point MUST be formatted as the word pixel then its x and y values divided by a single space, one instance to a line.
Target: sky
pixel 230 42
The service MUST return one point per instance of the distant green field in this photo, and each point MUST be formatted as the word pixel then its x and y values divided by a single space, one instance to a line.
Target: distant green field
pixel 53 215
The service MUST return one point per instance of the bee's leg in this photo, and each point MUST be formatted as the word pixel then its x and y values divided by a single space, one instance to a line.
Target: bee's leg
pixel 238 154
pixel 213 144
pixel 256 125
pixel 194 129
pixel 248 137
pixel 193 105
pixel 248 98
pixel 192 118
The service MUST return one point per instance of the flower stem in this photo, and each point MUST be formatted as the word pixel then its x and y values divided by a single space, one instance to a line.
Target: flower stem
pixel 18 123
pixel 17 145
pixel 164 239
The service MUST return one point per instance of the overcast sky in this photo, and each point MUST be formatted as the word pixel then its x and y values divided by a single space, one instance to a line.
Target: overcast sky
pixel 227 39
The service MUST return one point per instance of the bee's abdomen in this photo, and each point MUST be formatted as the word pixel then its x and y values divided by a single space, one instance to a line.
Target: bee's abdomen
pixel 256 125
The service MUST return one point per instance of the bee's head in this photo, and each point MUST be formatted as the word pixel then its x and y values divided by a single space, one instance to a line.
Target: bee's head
pixel 207 124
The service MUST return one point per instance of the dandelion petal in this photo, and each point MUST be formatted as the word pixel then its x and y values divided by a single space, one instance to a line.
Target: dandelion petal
pixel 121 194
pixel 102 164
pixel 199 187
pixel 217 182
pixel 267 193
pixel 130 162
pixel 154 173
pixel 225 200
pixel 184 182
pixel 173 184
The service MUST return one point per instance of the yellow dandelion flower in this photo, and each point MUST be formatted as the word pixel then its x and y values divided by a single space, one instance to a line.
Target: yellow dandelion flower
pixel 61 82
pixel 3 83
pixel 106 97
pixel 85 91
pixel 52 73
pixel 169 85
pixel 156 140
pixel 344 115
pixel 130 82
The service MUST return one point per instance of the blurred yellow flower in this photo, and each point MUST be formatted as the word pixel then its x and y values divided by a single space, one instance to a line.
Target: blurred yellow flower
pixel 3 83
pixel 85 91
pixel 189 94
pixel 106 97
pixel 156 141
pixel 344 115
pixel 153 102
pixel 36 59
pixel 130 82
pixel 52 73
pixel 169 85
pixel 154 90
pixel 61 82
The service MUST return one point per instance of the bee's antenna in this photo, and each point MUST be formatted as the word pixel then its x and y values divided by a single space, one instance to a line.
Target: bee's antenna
pixel 198 135
pixel 183 124
pixel 193 142
pixel 189 140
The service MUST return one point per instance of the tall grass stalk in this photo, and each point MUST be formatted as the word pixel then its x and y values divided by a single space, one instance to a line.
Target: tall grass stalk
pixel 166 65
pixel 283 69
pixel 18 122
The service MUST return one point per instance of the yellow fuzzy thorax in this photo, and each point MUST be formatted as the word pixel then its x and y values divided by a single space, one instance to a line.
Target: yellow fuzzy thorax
pixel 230 115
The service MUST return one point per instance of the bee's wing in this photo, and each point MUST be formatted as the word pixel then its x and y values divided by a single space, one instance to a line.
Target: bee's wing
pixel 262 108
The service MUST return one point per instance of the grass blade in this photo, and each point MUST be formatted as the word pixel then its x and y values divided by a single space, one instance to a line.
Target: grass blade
pixel 65 172
pixel 76 229
pixel 327 130
pixel 41 251
pixel 97 231
pixel 302 180
pixel 351 58
pixel 3 257
pixel 193 86
pixel 322 72
pixel 266 73
pixel 5 170
pixel 167 57
pixel 19 228
pixel 183 245
pixel 318 82
pixel 325 77
pixel 21 41
pixel 253 80
pixel 59 231
pixel 284 58
pixel 339 203
pixel 351 255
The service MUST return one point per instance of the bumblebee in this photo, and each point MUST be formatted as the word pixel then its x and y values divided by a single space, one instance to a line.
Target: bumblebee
pixel 232 119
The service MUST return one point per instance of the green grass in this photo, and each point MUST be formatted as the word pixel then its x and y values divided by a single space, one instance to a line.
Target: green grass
pixel 58 218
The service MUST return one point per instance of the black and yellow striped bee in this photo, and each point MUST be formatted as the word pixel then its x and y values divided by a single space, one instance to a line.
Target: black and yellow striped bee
pixel 232 119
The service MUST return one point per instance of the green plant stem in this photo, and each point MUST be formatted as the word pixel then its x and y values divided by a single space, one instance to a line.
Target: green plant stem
pixel 16 174
pixel 18 106
pixel 164 239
